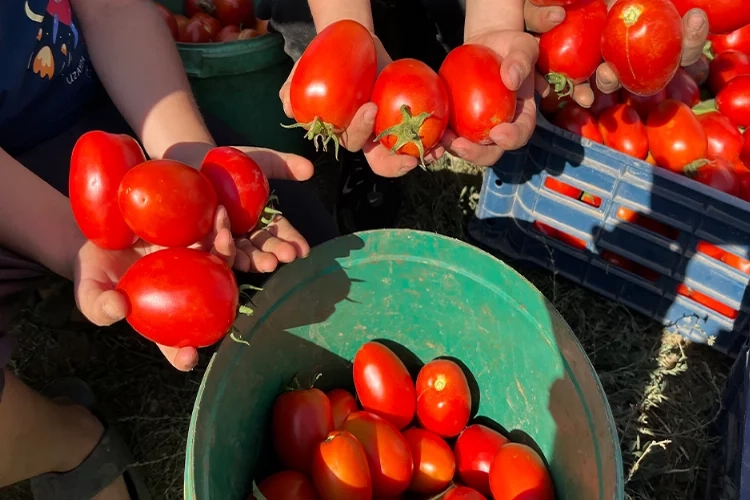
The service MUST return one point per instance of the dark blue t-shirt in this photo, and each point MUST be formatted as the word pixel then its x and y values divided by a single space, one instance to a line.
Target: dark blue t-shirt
pixel 45 73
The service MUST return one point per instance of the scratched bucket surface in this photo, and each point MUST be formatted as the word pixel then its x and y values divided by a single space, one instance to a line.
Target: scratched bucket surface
pixel 435 296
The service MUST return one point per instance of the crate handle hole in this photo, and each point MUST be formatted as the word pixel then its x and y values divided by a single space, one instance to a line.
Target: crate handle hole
pixel 648 223
pixel 721 255
pixel 572 192
pixel 498 183
pixel 706 301
pixel 556 234
pixel 628 265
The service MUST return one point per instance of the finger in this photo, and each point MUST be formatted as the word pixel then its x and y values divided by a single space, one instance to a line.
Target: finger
pixel 284 231
pixel 694 33
pixel 359 131
pixel 515 135
pixel 267 242
pixel 223 244
pixel 277 165
pixel 385 163
pixel 606 80
pixel 583 95
pixel 477 154
pixel 519 63
pixel 698 71
pixel 100 303
pixel 284 94
pixel 259 261
pixel 542 19
pixel 541 86
pixel 182 358
pixel 242 257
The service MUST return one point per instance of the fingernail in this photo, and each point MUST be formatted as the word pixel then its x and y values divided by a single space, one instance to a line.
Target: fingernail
pixel 695 22
pixel 369 115
pixel 110 311
pixel 555 16
pixel 460 152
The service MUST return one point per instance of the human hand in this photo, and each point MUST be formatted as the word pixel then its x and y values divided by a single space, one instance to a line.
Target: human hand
pixel 543 19
pixel 519 52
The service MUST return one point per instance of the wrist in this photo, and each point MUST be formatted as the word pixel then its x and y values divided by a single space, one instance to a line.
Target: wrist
pixel 73 243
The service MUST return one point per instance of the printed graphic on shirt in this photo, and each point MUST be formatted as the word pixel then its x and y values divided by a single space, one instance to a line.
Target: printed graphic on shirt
pixel 57 41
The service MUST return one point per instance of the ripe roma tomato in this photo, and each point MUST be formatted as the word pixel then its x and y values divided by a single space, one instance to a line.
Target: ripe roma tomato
pixel 300 421
pixel 601 100
pixel 642 104
pixel 463 493
pixel 202 28
pixel 675 135
pixel 247 34
pixel 738 39
pixel 387 452
pixel 168 19
pixel 743 188
pixel 412 108
pixel 193 7
pixel 698 71
pixel 723 139
pixel 725 67
pixel 579 121
pixel 228 33
pixel 479 100
pixel 518 472
pixel 339 468
pixel 718 173
pixel 167 203
pixel 342 405
pixel 333 79
pixel 745 153
pixel 554 102
pixel 632 29
pixel 474 450
pixel 383 384
pixel 443 398
pixel 723 17
pixel 97 165
pixel 288 485
pixel 734 101
pixel 434 464
pixel 240 184
pixel 180 297
pixel 683 88
pixel 182 22
pixel 569 53
pixel 623 130
pixel 237 12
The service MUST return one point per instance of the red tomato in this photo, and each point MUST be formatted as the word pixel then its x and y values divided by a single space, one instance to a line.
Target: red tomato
pixel 342 404
pixel 182 22
pixel 228 33
pixel 642 104
pixel 463 493
pixel 288 485
pixel 738 39
pixel 167 203
pixel 632 30
pixel 675 135
pixel 475 448
pixel 388 454
pixel 180 297
pixel 646 222
pixel 518 472
pixel 247 34
pixel 724 139
pixel 237 12
pixel 553 103
pixel 169 19
pixel 434 464
pixel 725 67
pixel 623 130
pixel 683 88
pixel 551 3
pixel 97 165
pixel 556 234
pixel 193 7
pixel 617 260
pixel 723 16
pixel 743 184
pixel 579 121
pixel 601 100
pixel 383 384
pixel 734 101
pixel 340 470
pixel 240 184
pixel 719 174
pixel 562 188
pixel 201 28
pixel 443 398
pixel 569 53
pixel 706 301
pixel 745 153
pixel 479 100
pixel 300 421
pixel 333 79
pixel 412 107
pixel 699 70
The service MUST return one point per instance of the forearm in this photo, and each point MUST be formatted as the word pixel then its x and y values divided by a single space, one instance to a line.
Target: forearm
pixel 327 12
pixel 136 59
pixel 488 15
pixel 36 221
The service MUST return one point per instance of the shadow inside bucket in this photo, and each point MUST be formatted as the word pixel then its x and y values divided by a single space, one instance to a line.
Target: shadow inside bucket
pixel 412 362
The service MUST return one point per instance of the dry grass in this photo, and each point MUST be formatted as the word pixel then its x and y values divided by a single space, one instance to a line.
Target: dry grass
pixel 663 391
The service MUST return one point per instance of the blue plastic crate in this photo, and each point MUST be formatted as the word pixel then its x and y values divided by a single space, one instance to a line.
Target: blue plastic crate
pixel 514 198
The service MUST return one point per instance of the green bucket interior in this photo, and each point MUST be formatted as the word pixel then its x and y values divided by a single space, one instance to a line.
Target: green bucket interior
pixel 431 296
pixel 239 82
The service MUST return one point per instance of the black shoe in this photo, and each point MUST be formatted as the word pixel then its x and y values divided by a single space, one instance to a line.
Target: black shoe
pixel 365 200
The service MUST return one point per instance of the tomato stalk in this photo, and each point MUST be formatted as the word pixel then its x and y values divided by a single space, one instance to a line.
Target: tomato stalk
pixel 207 6
pixel 691 169
pixel 708 52
pixel 561 82
pixel 256 492
pixel 269 213
pixel 319 132
pixel 407 132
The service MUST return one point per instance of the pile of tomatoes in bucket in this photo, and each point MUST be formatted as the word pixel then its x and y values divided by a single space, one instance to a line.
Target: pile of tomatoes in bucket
pixel 330 449
pixel 213 21
pixel 660 115
pixel 163 214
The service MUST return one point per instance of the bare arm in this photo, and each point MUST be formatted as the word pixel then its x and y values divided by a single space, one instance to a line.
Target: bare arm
pixel 488 15
pixel 36 220
pixel 136 60
pixel 327 12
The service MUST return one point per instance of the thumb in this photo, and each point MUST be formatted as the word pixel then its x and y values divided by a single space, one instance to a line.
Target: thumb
pixel 359 132
pixel 100 304
pixel 284 93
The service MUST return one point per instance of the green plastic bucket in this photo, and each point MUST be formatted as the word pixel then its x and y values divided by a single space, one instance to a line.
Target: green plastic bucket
pixel 239 82
pixel 435 296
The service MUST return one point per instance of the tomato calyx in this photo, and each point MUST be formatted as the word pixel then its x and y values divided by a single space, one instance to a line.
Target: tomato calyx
pixel 560 83
pixel 319 132
pixel 691 169
pixel 407 132
pixel 269 213
pixel 256 492
pixel 704 107
pixel 207 6
pixel 708 51
pixel 244 310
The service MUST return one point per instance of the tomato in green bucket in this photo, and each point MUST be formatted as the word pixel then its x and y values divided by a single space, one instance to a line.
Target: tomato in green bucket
pixel 428 296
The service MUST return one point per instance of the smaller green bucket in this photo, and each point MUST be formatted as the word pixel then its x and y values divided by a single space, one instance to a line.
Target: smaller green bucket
pixel 434 296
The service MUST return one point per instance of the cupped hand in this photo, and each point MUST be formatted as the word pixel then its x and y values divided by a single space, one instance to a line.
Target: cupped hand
pixel 543 19
pixel 519 52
